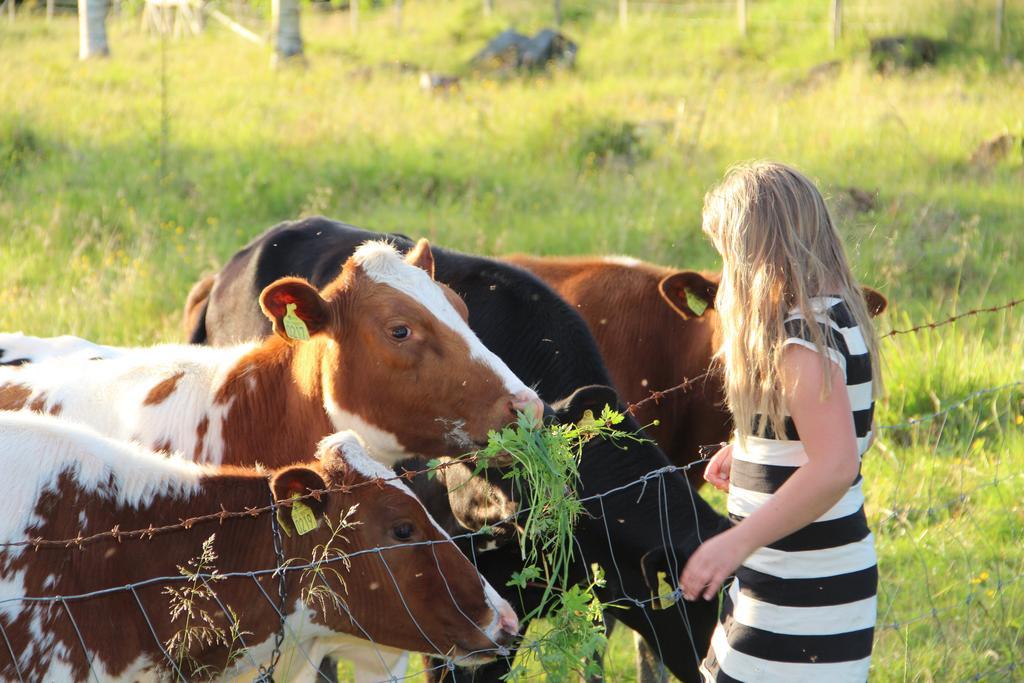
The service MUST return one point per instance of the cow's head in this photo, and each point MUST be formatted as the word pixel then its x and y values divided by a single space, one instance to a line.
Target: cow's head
pixel 464 502
pixel 400 579
pixel 393 354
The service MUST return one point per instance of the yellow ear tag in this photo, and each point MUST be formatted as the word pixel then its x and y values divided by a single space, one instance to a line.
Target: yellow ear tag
pixel 587 419
pixel 283 523
pixel 664 598
pixel 302 517
pixel 294 327
pixel 696 304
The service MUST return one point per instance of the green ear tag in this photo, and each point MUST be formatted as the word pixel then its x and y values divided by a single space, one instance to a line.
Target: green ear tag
pixel 664 598
pixel 283 523
pixel 302 517
pixel 587 419
pixel 696 304
pixel 293 325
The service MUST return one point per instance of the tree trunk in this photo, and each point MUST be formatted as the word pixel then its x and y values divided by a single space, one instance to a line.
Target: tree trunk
pixel 287 39
pixel 92 29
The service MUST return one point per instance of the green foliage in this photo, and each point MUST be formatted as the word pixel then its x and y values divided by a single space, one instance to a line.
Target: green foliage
pixel 571 638
pixel 19 146
pixel 545 465
pixel 607 141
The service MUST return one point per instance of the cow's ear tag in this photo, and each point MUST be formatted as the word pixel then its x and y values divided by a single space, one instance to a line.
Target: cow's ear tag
pixel 294 327
pixel 282 522
pixel 663 598
pixel 587 419
pixel 302 517
pixel 696 304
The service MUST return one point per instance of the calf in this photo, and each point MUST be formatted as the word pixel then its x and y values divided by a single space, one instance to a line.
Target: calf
pixel 395 577
pixel 382 349
pixel 656 327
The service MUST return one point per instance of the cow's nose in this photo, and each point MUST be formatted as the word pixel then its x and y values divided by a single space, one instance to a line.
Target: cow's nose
pixel 508 627
pixel 529 403
pixel 508 621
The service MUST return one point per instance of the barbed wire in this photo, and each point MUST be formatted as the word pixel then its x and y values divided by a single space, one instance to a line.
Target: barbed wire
pixel 953 318
pixel 658 474
pixel 116 533
pixel 674 597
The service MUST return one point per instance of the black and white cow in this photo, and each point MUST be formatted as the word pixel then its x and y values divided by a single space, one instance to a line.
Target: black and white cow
pixel 628 530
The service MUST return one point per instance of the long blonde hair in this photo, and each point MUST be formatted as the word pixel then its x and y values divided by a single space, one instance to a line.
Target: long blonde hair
pixel 780 249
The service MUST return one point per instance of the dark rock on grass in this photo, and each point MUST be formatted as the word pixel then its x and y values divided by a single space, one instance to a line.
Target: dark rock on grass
pixel 995 150
pixel 859 199
pixel 907 52
pixel 849 199
pixel 513 51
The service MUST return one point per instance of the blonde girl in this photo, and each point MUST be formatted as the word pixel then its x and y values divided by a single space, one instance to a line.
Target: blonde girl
pixel 801 375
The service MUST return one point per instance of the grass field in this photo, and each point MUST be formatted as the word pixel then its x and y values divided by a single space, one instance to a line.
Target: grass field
pixel 115 194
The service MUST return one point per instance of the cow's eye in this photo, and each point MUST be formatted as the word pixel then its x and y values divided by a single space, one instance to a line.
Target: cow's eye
pixel 401 332
pixel 402 531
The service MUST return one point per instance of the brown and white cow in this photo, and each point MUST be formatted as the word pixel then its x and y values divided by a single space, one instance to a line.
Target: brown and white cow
pixel 405 584
pixel 652 337
pixel 389 355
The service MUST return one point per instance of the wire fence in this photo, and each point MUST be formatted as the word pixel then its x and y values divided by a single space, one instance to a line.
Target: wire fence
pixel 972 581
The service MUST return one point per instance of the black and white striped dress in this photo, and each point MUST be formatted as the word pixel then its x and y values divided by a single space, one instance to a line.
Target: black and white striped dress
pixel 802 608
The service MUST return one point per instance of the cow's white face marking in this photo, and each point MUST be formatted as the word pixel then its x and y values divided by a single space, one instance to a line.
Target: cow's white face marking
pixel 383 264
pixel 381 443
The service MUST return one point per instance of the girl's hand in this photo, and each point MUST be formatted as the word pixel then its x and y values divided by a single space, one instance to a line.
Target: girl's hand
pixel 717 471
pixel 715 561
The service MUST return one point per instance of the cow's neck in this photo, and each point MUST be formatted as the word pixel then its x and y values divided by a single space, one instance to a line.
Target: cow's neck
pixel 242 544
pixel 276 414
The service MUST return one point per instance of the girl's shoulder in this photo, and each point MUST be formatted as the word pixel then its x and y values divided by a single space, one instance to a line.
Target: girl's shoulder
pixel 835 327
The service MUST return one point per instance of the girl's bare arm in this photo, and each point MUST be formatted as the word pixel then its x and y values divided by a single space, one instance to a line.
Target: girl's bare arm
pixel 827 432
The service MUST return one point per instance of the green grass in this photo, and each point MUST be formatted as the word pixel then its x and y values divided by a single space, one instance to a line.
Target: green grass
pixel 101 238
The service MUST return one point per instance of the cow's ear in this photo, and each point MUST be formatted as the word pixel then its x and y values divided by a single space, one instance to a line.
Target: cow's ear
pixel 422 257
pixel 876 301
pixel 594 398
pixel 685 290
pixel 294 482
pixel 293 304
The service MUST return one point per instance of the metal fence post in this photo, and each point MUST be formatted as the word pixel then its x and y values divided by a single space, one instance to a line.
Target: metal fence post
pixel 488 7
pixel 353 15
pixel 741 16
pixel 558 12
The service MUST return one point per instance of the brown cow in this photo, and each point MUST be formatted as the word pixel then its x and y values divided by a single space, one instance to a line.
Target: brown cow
pixel 398 579
pixel 655 327
pixel 389 355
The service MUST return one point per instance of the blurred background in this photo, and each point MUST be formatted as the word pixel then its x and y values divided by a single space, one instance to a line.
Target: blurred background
pixel 144 142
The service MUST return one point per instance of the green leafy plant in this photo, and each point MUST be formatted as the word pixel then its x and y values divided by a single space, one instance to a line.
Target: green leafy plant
pixel 545 467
